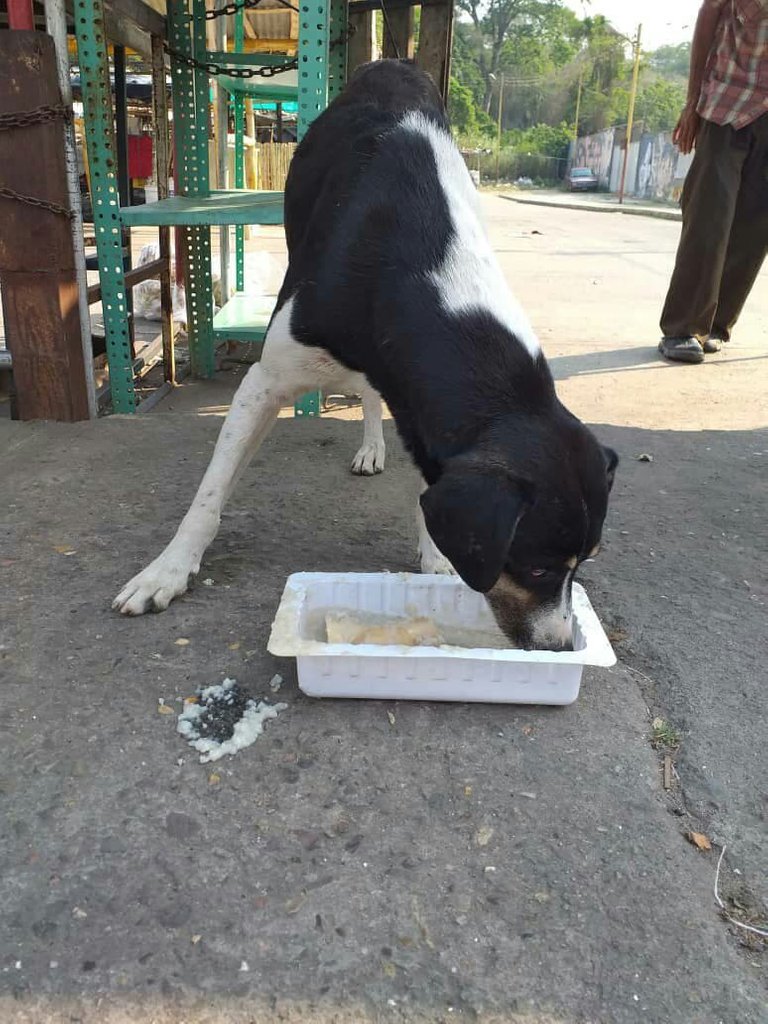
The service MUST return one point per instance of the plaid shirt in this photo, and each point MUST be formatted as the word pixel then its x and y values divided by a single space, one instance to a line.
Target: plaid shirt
pixel 735 88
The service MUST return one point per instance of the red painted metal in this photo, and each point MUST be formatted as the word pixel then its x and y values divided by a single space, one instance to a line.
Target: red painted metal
pixel 20 15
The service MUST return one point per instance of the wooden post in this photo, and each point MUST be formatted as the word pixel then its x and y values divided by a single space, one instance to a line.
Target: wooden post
pixel 160 117
pixel 21 15
pixel 361 47
pixel 398 32
pixel 37 260
pixel 435 40
pixel 251 152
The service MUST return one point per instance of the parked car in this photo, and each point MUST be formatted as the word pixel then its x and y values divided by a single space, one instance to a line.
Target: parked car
pixel 581 179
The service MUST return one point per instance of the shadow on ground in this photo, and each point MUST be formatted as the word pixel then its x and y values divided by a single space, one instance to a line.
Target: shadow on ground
pixel 643 357
pixel 451 861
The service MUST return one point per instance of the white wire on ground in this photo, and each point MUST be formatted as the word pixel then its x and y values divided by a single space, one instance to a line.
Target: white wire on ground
pixel 739 924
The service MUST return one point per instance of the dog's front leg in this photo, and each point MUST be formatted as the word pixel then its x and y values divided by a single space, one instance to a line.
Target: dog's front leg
pixel 253 412
pixel 431 559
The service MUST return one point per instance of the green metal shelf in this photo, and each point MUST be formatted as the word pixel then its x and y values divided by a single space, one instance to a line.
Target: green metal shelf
pixel 266 90
pixel 244 318
pixel 321 58
pixel 220 207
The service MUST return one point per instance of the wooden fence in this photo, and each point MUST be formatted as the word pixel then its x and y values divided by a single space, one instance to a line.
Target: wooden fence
pixel 272 161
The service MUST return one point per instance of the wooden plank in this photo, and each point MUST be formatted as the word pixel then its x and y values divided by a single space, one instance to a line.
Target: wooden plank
pixel 398 33
pixel 132 278
pixel 122 30
pixel 361 47
pixel 435 39
pixel 375 5
pixel 140 13
pixel 37 260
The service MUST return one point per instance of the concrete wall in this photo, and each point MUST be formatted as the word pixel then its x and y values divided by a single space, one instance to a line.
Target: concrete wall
pixel 656 169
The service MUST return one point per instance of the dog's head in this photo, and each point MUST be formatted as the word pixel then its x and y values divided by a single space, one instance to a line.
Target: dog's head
pixel 516 517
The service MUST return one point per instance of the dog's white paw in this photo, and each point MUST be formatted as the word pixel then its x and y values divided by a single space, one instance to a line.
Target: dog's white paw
pixel 432 561
pixel 155 587
pixel 370 459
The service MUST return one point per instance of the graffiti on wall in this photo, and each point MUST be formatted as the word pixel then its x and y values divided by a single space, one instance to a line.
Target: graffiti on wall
pixel 657 168
pixel 595 151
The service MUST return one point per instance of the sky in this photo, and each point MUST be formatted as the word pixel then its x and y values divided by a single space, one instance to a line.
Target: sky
pixel 664 21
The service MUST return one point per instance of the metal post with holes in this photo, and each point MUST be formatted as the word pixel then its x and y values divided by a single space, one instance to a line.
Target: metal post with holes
pixel 56 26
pixel 314 25
pixel 239 105
pixel 222 159
pixel 337 57
pixel 191 107
pixel 100 139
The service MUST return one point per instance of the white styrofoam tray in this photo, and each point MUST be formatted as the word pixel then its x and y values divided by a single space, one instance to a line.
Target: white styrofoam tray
pixel 425 673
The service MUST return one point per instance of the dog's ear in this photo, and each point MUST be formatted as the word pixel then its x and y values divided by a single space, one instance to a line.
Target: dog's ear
pixel 472 515
pixel 611 462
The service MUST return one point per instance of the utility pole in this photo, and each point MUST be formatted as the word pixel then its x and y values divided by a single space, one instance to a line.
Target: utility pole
pixel 578 104
pixel 631 115
pixel 498 136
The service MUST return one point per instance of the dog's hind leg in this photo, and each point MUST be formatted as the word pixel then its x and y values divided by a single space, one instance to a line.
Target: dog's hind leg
pixel 370 457
pixel 286 369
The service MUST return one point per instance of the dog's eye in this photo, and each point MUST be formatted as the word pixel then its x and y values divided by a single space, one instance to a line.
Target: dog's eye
pixel 537 573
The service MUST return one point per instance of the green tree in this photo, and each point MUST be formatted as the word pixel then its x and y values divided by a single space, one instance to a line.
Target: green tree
pixel 659 104
pixel 462 108
pixel 671 61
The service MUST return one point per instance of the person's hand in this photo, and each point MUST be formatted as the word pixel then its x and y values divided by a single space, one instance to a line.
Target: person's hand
pixel 686 129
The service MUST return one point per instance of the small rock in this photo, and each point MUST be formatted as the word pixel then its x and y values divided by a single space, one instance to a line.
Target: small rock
pixel 244 967
pixel 275 683
pixel 181 826
pixel 645 457
pixel 208 582
pixel 77 912
pixel 295 903
pixel 181 642
pixel 483 835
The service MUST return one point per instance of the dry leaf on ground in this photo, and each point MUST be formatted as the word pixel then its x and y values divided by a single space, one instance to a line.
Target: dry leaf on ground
pixel 699 840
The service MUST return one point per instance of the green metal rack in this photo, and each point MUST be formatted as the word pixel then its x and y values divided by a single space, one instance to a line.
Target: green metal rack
pixel 195 207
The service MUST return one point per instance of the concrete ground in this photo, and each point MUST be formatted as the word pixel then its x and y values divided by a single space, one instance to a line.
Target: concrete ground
pixel 403 861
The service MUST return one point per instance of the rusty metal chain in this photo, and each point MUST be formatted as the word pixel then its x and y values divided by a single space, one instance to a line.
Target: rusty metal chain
pixel 42 204
pixel 242 5
pixel 231 72
pixel 38 115
pixel 246 72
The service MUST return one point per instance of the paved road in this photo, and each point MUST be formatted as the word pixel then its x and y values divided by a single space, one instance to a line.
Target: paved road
pixel 492 864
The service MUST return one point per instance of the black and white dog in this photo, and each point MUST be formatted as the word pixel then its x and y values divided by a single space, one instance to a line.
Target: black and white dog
pixel 392 290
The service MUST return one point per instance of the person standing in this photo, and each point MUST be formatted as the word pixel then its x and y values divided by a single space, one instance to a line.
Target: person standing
pixel 725 196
